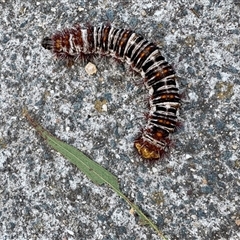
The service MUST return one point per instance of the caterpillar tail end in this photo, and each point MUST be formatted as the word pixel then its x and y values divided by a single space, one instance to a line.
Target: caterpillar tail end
pixel 147 151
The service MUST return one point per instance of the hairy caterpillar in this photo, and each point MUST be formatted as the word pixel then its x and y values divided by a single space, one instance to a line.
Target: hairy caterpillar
pixel 145 58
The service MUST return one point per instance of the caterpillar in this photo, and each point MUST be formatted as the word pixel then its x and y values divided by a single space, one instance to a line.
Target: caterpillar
pixel 144 58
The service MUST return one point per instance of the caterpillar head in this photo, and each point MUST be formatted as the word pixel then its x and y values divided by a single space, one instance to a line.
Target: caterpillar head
pixel 47 43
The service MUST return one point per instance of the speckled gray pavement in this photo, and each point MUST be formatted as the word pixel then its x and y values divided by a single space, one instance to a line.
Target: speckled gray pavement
pixel 194 193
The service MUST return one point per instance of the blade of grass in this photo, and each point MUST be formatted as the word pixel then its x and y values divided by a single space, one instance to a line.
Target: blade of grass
pixel 93 170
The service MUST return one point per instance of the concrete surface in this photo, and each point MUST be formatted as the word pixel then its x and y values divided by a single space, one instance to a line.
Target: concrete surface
pixel 192 194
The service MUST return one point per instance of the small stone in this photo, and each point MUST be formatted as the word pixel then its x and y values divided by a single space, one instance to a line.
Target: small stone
pixel 80 9
pixel 237 222
pixel 70 232
pixel 104 107
pixel 90 68
pixel 234 147
pixel 131 211
pixel 188 156
pixel 154 170
pixel 143 12
pixel 101 106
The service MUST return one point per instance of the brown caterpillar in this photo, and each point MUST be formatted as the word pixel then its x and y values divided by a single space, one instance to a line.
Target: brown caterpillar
pixel 145 58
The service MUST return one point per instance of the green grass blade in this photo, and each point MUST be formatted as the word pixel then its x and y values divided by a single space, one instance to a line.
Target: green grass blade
pixel 93 170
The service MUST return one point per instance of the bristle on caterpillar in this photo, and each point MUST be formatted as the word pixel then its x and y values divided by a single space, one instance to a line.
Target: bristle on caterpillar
pixel 145 58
